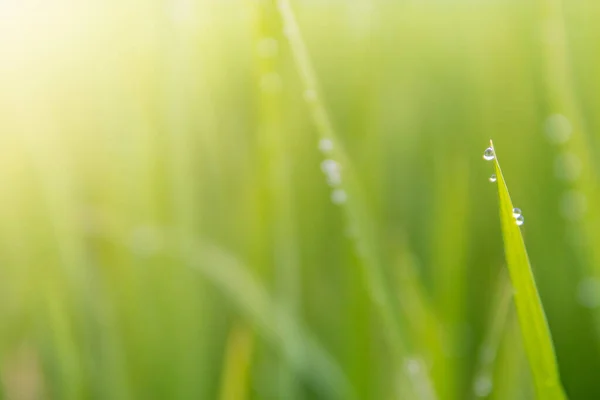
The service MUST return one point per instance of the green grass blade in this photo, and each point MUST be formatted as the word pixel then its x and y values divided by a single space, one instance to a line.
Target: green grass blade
pixel 282 243
pixel 303 353
pixel 500 316
pixel 534 327
pixel 358 217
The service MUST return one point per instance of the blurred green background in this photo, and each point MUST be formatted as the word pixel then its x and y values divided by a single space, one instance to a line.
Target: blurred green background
pixel 167 232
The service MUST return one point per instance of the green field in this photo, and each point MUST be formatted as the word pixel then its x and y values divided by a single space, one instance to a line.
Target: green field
pixel 244 199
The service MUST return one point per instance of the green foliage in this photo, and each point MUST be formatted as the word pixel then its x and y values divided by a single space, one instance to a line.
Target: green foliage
pixel 167 232
pixel 536 334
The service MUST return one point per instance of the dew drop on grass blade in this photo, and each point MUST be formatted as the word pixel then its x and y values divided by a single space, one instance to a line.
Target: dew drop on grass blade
pixel 532 320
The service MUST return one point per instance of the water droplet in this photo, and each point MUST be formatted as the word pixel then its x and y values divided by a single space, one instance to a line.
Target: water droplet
pixel 310 95
pixel 520 220
pixel 517 212
pixel 588 292
pixel 339 196
pixel 271 82
pixel 567 167
pixel 412 366
pixel 493 178
pixel 326 145
pixel 573 205
pixel 488 154
pixel 558 129
pixel 482 386
pixel 331 169
pixel 267 47
pixel 329 165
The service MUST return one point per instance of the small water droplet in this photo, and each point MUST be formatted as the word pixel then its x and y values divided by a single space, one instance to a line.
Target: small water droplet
pixel 482 386
pixel 412 366
pixel 331 169
pixel 588 292
pixel 325 145
pixel 488 154
pixel 327 166
pixel 558 129
pixel 520 220
pixel 517 212
pixel 493 178
pixel 339 196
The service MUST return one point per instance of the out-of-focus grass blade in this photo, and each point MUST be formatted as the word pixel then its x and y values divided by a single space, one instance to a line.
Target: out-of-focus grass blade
pixel 534 327
pixel 236 370
pixel 358 217
pixel 512 378
pixel 500 312
pixel 304 355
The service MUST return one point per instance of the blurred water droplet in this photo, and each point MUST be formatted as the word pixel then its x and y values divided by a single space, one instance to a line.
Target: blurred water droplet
pixel 573 205
pixel 482 386
pixel 567 167
pixel 329 165
pixel 488 154
pixel 271 82
pixel 558 129
pixel 517 212
pixel 332 172
pixel 588 292
pixel 339 196
pixel 493 178
pixel 267 47
pixel 520 220
pixel 412 366
pixel 326 145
